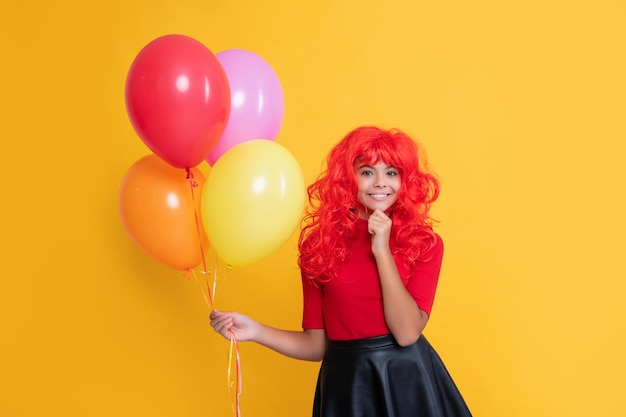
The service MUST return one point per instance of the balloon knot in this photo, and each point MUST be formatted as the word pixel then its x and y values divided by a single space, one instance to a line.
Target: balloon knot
pixel 191 179
pixel 187 274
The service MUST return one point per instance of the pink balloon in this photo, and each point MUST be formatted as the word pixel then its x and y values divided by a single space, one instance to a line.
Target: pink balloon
pixel 178 99
pixel 256 101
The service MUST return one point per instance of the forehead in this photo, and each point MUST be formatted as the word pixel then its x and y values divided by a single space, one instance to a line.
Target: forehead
pixel 378 164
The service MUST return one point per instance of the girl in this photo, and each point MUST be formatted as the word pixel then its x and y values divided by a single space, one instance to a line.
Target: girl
pixel 370 263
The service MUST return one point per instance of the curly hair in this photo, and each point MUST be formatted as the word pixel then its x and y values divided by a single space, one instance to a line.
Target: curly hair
pixel 331 217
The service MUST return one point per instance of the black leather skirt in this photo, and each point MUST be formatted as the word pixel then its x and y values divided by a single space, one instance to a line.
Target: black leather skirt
pixel 376 377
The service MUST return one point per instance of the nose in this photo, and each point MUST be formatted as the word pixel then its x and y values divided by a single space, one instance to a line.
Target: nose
pixel 379 182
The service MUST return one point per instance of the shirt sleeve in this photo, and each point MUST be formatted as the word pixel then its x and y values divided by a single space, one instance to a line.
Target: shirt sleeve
pixel 312 315
pixel 423 283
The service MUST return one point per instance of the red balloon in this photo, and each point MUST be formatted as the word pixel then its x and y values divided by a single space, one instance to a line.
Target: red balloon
pixel 178 99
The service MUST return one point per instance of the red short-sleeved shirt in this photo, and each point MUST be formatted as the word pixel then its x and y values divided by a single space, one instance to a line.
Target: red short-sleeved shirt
pixel 350 306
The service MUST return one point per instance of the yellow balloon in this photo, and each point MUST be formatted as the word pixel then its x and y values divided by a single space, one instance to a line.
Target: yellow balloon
pixel 252 201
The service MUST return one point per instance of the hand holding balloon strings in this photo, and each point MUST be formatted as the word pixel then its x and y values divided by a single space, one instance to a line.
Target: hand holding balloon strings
pixel 233 378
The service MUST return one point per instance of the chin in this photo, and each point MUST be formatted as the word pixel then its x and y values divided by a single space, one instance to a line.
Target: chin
pixel 384 209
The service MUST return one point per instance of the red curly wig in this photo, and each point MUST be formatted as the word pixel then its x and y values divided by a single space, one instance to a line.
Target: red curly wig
pixel 331 218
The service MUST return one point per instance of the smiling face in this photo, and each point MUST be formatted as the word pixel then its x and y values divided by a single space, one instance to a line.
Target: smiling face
pixel 377 186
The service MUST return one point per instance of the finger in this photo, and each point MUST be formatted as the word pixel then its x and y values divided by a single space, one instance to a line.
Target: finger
pixel 215 314
pixel 222 319
pixel 378 214
pixel 220 322
pixel 223 327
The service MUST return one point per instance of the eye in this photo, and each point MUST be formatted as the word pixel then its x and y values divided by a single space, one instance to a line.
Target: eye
pixel 366 172
pixel 392 173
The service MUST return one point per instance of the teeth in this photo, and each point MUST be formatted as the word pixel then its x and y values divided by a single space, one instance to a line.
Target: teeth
pixel 379 195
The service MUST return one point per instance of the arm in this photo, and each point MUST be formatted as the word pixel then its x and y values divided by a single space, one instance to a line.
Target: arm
pixel 307 345
pixel 402 314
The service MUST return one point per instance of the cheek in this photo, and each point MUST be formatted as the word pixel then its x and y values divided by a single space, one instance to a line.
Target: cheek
pixel 399 191
pixel 360 196
pixel 362 185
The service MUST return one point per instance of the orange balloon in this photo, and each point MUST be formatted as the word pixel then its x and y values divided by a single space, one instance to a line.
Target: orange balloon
pixel 160 210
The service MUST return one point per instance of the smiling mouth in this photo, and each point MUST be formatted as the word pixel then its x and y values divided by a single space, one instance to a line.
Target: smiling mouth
pixel 379 196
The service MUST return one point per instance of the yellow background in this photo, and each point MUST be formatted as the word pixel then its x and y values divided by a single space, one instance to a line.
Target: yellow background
pixel 520 105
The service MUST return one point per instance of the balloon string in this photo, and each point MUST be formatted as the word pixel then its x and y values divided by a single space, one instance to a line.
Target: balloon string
pixel 194 184
pixel 209 297
pixel 233 377
pixel 214 292
pixel 234 381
